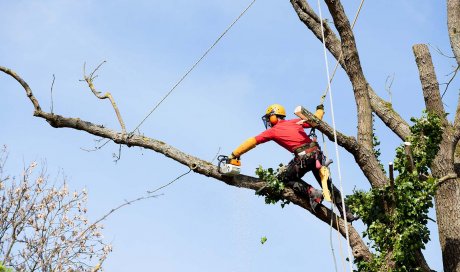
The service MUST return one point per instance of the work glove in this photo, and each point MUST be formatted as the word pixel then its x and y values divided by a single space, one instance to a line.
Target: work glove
pixel 320 107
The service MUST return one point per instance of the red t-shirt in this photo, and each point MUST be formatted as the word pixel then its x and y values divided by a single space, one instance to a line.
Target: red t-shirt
pixel 287 134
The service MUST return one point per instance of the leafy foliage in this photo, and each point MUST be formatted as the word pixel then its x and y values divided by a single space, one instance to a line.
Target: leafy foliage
pixel 5 269
pixel 396 216
pixel 272 191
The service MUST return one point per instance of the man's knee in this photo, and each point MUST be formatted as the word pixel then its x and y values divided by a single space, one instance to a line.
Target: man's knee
pixel 298 186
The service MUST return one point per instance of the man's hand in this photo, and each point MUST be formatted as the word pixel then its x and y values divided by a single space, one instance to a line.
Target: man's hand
pixel 301 122
pixel 231 157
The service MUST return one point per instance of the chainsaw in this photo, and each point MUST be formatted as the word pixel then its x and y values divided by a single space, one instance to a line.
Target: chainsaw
pixel 227 166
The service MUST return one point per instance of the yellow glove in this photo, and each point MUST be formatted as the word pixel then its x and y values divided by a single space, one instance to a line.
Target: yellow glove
pixel 319 112
pixel 245 147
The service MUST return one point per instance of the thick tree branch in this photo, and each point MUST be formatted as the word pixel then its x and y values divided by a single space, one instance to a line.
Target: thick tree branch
pixel 359 248
pixel 312 21
pixel 430 85
pixel 388 115
pixel 24 85
pixel 453 25
pixel 382 108
pixel 354 72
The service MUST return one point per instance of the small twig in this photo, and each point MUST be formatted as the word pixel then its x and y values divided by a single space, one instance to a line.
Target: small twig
pixel 451 79
pixel 52 85
pixel 215 157
pixel 117 157
pixel 171 182
pixel 114 210
pixel 97 68
pixel 440 52
pixel 97 147
pixel 388 84
pixel 150 195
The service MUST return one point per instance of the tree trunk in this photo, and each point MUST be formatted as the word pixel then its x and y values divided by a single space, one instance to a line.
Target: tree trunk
pixel 453 25
pixel 448 194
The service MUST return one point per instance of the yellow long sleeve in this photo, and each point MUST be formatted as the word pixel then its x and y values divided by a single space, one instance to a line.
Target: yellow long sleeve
pixel 245 147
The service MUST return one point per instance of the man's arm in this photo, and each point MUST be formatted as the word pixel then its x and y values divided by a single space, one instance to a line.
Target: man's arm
pixel 244 147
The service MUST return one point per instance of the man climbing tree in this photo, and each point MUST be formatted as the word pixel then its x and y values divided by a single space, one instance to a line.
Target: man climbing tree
pixel 439 169
pixel 308 156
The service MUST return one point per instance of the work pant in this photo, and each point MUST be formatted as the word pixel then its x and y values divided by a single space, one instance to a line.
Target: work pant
pixel 301 165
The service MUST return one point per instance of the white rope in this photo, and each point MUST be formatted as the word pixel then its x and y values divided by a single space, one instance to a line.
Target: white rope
pixel 195 64
pixel 332 216
pixel 341 52
pixel 335 135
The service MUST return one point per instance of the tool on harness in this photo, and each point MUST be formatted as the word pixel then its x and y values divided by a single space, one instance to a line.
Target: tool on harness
pixel 324 175
pixel 227 166
pixel 313 135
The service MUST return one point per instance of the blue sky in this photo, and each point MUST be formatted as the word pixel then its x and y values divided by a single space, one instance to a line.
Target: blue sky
pixel 199 224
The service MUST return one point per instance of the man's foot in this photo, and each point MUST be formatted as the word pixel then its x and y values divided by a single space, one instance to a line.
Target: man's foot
pixel 350 217
pixel 316 197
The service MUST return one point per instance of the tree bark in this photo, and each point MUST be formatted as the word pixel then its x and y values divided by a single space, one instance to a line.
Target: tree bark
pixel 354 72
pixel 448 192
pixel 453 26
pixel 430 85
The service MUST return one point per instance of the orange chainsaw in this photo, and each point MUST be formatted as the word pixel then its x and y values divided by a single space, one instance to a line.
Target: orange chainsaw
pixel 227 166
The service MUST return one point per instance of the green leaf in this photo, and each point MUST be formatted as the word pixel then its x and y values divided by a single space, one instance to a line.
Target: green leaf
pixel 263 240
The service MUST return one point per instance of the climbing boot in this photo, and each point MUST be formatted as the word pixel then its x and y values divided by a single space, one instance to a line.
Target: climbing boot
pixel 349 215
pixel 316 197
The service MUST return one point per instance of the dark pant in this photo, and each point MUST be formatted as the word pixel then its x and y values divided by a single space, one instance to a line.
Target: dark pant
pixel 301 165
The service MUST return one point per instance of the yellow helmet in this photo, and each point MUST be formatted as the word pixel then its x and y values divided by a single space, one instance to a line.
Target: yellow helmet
pixel 272 114
pixel 276 109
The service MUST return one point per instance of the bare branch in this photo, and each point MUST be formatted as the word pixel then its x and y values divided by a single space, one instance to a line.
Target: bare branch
pixel 312 21
pixel 171 182
pixel 437 49
pixel 453 73
pixel 24 85
pixel 97 147
pixel 429 81
pixel 388 84
pixel 354 72
pixel 52 85
pixel 89 79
